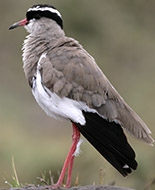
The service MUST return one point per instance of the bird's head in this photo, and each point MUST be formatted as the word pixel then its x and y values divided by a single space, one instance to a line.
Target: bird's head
pixel 36 13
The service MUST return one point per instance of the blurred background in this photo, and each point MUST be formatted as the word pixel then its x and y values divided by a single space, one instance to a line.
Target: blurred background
pixel 120 35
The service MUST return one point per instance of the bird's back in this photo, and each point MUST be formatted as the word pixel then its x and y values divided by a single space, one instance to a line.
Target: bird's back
pixel 69 71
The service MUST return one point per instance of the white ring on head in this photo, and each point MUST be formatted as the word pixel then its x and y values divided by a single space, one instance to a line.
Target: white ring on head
pixel 52 10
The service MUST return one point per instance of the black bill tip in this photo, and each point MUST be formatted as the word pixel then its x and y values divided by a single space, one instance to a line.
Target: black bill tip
pixel 12 27
pixel 15 25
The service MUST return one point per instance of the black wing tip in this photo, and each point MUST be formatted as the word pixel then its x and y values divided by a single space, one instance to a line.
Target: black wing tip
pixel 128 170
pixel 110 141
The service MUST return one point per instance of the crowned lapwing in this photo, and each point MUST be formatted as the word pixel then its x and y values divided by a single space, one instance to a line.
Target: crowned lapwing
pixel 68 84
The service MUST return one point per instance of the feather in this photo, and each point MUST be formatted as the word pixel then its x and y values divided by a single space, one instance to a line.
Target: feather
pixel 109 139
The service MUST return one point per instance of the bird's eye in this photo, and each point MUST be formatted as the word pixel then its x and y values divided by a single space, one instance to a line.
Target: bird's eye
pixel 37 16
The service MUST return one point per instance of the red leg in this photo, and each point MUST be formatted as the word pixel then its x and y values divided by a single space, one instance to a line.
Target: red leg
pixel 75 138
pixel 70 172
pixel 69 159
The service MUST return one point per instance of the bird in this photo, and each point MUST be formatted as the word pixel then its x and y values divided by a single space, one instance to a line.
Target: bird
pixel 68 85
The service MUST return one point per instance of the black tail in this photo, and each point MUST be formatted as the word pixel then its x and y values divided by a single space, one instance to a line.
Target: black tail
pixel 109 139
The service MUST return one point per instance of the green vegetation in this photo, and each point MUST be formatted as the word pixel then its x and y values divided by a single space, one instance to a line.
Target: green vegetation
pixel 121 37
pixel 13 182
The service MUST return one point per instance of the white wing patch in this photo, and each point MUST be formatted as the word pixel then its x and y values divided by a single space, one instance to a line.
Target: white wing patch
pixel 53 105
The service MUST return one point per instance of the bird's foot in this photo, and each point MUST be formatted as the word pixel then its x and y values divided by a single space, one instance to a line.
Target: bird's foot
pixel 54 186
pixel 57 186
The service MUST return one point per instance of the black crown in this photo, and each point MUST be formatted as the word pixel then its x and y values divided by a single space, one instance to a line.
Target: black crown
pixel 44 10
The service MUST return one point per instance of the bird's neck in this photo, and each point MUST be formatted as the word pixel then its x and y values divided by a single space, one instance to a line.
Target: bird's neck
pixel 34 46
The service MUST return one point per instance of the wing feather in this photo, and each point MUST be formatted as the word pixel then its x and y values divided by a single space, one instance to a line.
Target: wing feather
pixel 70 71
